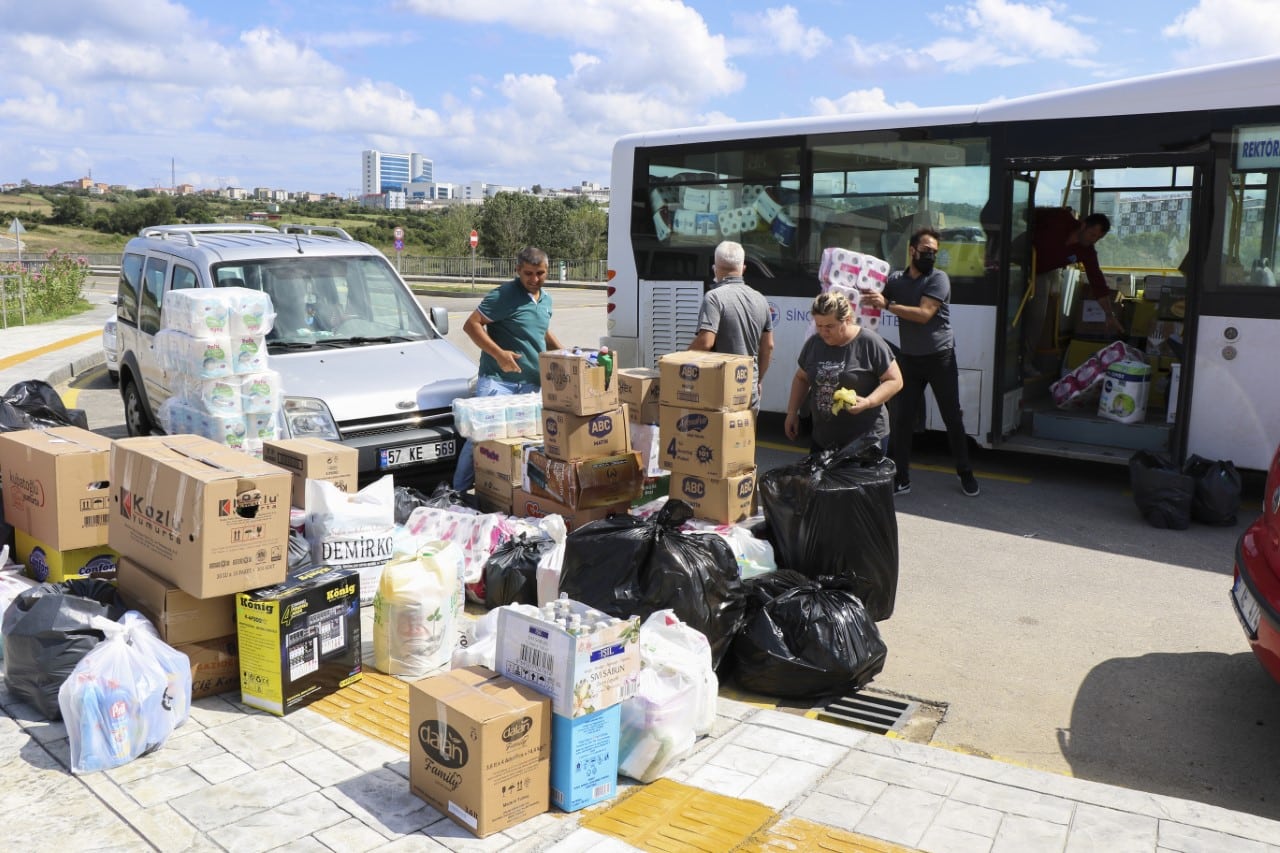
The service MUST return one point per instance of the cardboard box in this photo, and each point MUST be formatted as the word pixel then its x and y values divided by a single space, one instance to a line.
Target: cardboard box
pixel 212 520
pixel 56 485
pixel 178 616
pixel 313 459
pixel 494 492
pixel 587 483
pixel 215 666
pixel 571 384
pixel 638 391
pixel 479 748
pixel 299 640
pixel 653 488
pixel 503 458
pixel 571 437
pixel 45 563
pixel 710 381
pixel 582 673
pixel 525 505
pixel 711 444
pixel 584 758
pixel 726 500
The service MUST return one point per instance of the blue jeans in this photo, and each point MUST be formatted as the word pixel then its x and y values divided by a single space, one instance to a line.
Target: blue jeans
pixel 464 476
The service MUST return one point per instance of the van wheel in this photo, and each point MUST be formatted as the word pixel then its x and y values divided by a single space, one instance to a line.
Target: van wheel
pixel 136 419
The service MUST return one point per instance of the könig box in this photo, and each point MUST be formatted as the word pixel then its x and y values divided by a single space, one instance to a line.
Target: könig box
pixel 706 380
pixel 314 459
pixel 571 384
pixel 479 748
pixel 572 437
pixel 212 520
pixel 582 673
pixel 713 444
pixel 55 485
pixel 299 640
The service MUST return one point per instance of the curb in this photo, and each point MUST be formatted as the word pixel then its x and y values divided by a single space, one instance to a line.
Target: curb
pixel 71 369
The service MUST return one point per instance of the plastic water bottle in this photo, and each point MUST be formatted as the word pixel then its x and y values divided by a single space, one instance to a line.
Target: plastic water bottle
pixel 605 360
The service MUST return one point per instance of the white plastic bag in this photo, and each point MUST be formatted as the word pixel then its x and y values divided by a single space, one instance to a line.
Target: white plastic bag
pixel 352 531
pixel 125 696
pixel 755 556
pixel 665 641
pixel 415 611
pixel 547 575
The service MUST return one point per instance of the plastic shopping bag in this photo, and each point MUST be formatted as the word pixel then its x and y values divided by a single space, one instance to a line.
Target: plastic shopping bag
pixel 352 531
pixel 1163 494
pixel 1216 498
pixel 415 612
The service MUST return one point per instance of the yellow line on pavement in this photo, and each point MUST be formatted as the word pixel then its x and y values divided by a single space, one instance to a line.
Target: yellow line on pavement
pixel 10 361
pixel 787 448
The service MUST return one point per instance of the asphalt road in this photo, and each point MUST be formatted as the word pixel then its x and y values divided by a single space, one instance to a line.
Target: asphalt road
pixel 1042 623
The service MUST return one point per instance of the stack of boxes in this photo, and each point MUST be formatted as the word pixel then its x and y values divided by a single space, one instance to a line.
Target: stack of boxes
pixel 585 468
pixel 707 432
pixel 57 498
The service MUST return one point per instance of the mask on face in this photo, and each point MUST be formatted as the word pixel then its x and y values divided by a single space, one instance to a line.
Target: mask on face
pixel 924 262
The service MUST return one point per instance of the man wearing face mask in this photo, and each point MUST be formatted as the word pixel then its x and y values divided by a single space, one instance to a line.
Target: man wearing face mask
pixel 920 298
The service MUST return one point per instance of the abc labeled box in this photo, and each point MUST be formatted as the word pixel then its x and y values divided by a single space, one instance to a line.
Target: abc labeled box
pixel 299 640
pixel 587 483
pixel 726 500
pixel 638 391
pixel 479 748
pixel 570 383
pixel 706 380
pixel 56 485
pixel 713 444
pixel 49 564
pixel 212 520
pixel 584 758
pixel 572 437
pixel 179 617
pixel 583 672
pixel 313 459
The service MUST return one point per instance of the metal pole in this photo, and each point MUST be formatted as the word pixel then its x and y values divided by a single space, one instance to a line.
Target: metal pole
pixel 473 268
pixel 22 294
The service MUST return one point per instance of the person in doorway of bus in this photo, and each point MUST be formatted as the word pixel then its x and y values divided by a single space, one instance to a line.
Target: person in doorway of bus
pixel 1061 240
pixel 735 317
pixel 511 326
pixel 841 358
pixel 920 298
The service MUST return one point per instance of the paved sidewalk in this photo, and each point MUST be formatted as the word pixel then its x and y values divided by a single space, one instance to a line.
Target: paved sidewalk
pixel 237 779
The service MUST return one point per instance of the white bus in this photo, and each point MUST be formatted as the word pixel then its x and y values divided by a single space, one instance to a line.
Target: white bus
pixel 1186 165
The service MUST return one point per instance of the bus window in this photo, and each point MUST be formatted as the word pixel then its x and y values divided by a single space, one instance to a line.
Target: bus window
pixel 1250 230
pixel 870 197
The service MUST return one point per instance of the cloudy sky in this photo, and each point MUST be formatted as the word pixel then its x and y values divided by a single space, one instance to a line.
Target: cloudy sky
pixel 287 94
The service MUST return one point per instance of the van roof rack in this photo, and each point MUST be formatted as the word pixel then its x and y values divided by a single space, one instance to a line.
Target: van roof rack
pixel 294 228
pixel 189 232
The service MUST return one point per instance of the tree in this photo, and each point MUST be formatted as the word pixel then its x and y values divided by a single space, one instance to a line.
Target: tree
pixel 506 224
pixel 452 232
pixel 69 210
pixel 585 232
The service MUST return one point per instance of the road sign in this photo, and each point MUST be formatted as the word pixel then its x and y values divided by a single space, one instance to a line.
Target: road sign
pixel 475 239
pixel 15 227
pixel 399 245
pixel 398 233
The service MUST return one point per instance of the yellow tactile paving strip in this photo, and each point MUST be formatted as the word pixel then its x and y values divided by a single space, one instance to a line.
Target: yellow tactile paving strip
pixel 794 834
pixel 667 817
pixel 377 705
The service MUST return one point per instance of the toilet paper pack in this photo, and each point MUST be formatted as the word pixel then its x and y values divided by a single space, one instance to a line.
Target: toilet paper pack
pixel 205 358
pixel 201 312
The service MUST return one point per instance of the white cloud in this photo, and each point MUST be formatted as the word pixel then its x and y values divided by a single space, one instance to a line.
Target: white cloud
pixel 1222 30
pixel 780 31
pixel 858 101
pixel 1003 33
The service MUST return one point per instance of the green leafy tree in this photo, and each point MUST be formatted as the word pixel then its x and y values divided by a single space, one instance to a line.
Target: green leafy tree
pixel 451 235
pixel 585 232
pixel 506 224
pixel 69 209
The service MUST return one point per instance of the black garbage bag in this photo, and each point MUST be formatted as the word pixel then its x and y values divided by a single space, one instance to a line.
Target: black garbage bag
pixel 832 514
pixel 1162 493
pixel 408 499
pixel 300 555
pixel 1216 498
pixel 510 573
pixel 46 633
pixel 626 566
pixel 805 641
pixel 34 404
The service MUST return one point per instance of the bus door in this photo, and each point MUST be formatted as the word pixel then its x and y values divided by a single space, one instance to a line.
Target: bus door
pixel 1052 327
pixel 1234 408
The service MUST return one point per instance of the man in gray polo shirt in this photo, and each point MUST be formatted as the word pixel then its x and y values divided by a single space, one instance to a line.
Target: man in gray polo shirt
pixel 735 317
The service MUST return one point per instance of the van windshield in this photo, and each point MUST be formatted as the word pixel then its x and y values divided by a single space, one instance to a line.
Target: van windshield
pixel 337 301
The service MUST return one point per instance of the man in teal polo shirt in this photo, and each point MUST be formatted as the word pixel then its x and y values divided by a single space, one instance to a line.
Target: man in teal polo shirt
pixel 511 326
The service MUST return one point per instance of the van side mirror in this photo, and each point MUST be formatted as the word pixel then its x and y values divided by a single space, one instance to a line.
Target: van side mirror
pixel 440 319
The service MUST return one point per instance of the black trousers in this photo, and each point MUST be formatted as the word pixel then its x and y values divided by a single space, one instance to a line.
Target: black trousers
pixel 937 371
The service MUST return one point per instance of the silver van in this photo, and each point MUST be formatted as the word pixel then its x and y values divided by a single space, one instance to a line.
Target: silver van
pixel 359 359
